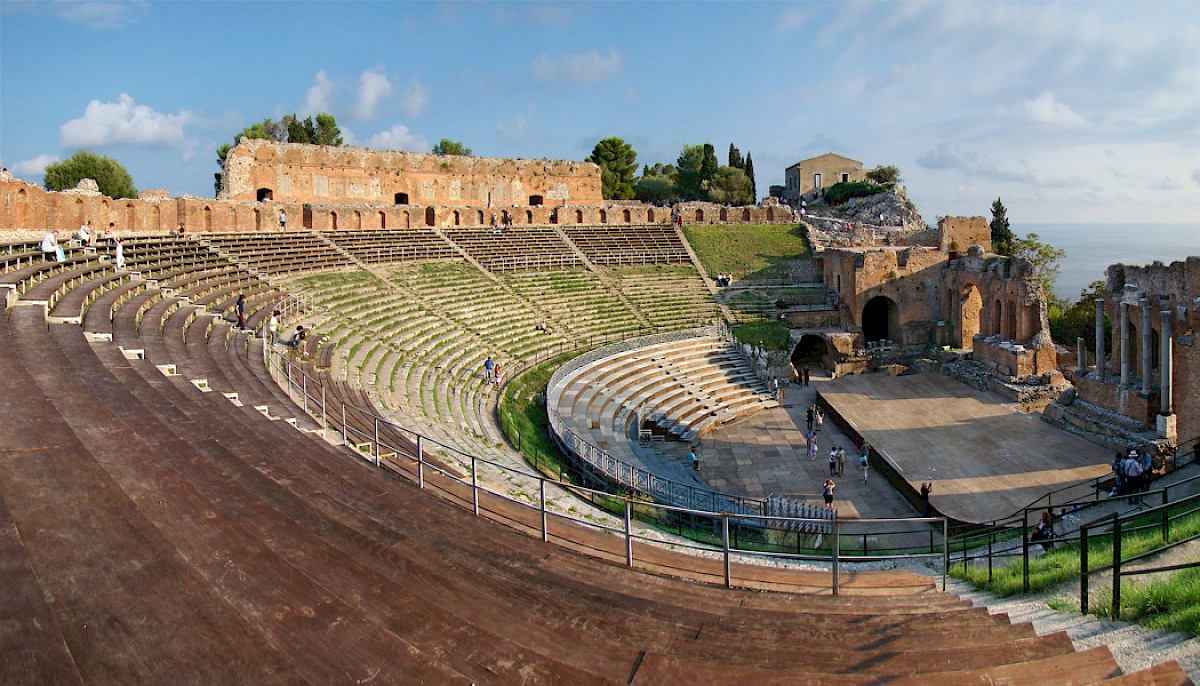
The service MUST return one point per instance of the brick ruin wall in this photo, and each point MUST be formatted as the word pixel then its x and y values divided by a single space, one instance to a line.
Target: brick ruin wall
pixel 1174 288
pixel 293 172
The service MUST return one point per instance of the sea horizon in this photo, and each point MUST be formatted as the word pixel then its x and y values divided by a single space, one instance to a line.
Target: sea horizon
pixel 1092 246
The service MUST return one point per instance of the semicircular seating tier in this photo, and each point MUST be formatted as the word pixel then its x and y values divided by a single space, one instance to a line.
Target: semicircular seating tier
pixel 168 514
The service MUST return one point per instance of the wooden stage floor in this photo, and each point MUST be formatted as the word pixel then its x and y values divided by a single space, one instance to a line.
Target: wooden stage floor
pixel 985 458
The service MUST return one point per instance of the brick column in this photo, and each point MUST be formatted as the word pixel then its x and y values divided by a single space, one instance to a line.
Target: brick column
pixel 1147 353
pixel 1100 338
pixel 1164 364
pixel 1123 341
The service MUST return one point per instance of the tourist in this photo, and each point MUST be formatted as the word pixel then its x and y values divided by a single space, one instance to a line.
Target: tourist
pixel 810 414
pixel 273 326
pixel 1044 531
pixel 241 311
pixel 110 233
pixel 865 462
pixel 282 220
pixel 299 340
pixel 693 460
pixel 498 375
pixel 1132 470
pixel 833 459
pixel 85 233
pixel 120 256
pixel 827 491
pixel 1118 474
pixel 812 446
pixel 819 420
pixel 488 366
pixel 926 489
pixel 51 249
pixel 806 375
pixel 181 232
pixel 841 460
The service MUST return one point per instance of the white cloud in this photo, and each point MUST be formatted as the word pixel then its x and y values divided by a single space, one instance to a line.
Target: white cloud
pixel 317 99
pixel 577 68
pixel 1166 183
pixel 791 18
pixel 415 99
pixel 515 129
pixel 35 167
pixel 399 137
pixel 108 123
pixel 1044 109
pixel 373 86
pixel 1196 176
pixel 98 15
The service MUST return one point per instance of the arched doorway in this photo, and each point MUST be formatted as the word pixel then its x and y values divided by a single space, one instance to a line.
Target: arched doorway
pixel 649 216
pixel 770 214
pixel 479 217
pixel 997 311
pixel 699 215
pixel 603 216
pixel 881 320
pixel 578 216
pixel 811 349
pixel 746 214
pixel 333 221
pixel 528 216
pixel 356 220
pixel 207 219
pixel 430 217
pixel 724 214
pixel 626 217
pixel 382 220
pixel 969 309
pixel 1010 321
pixel 457 218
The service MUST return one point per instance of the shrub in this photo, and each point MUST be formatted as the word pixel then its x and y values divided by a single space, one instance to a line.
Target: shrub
pixel 839 193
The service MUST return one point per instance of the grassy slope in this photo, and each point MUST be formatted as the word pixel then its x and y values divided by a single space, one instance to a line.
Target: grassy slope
pixel 755 251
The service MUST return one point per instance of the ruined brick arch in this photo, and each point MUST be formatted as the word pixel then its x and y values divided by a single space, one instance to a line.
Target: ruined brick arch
pixel 258 220
pixel 881 320
pixel 79 211
pixel 970 309
pixel 382 219
pixel 457 218
pixel 746 214
pixel 130 216
pixel 603 217
pixel 528 216
pixel 699 215
pixel 479 217
pixel 430 217
pixel 627 216
pixel 333 221
pixel 724 216
pixel 770 214
pixel 407 219
pixel 578 216
pixel 356 220
pixel 22 207
pixel 810 349
pixel 650 215
pixel 536 200
pixel 208 225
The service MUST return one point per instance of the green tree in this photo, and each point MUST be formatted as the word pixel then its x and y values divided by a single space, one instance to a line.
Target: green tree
pixel 885 174
pixel 731 187
pixel 750 175
pixel 656 190
pixel 689 181
pixel 324 131
pixel 1042 257
pixel 1071 320
pixel 449 147
pixel 1003 239
pixel 112 178
pixel 735 158
pixel 709 166
pixel 618 165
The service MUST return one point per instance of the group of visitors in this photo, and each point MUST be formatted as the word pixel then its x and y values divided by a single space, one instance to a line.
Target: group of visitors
pixel 724 280
pixel 1132 472
pixel 493 372
pixel 802 376
pixel 774 388
pixel 87 237
pixel 837 461
pixel 815 417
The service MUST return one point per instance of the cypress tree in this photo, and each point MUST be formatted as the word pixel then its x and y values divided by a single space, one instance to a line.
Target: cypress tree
pixel 750 173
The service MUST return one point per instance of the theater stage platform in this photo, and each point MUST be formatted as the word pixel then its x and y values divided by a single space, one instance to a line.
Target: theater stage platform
pixel 985 458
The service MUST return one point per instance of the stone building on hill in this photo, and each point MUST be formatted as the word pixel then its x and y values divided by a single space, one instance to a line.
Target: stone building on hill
pixel 807 178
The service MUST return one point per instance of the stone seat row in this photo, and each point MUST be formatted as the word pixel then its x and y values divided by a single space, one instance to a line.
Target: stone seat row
pixel 228 547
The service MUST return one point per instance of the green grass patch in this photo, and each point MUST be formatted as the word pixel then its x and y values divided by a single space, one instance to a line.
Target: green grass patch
pixel 753 251
pixel 770 335
pixel 1171 603
pixel 522 411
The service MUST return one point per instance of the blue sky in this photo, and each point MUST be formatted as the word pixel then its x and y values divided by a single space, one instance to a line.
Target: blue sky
pixel 1074 111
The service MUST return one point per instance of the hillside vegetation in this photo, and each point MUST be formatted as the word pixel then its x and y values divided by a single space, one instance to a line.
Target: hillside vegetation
pixel 748 251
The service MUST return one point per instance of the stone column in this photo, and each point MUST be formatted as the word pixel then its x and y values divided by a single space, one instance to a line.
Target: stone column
pixel 1147 353
pixel 1081 354
pixel 1124 343
pixel 1100 338
pixel 1164 363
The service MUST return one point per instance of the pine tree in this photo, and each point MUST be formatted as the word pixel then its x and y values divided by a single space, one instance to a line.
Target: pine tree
pixel 749 169
pixel 1003 239
pixel 708 167
pixel 735 158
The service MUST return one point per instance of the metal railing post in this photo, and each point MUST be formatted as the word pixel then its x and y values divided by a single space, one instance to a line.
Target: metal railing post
pixel 377 451
pixel 836 550
pixel 304 391
pixel 628 533
pixel 725 546
pixel 1116 570
pixel 545 531
pixel 420 463
pixel 1025 551
pixel 1083 569
pixel 474 486
pixel 344 436
pixel 324 417
pixel 945 551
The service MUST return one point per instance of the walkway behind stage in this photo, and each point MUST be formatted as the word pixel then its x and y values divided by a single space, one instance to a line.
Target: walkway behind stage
pixel 985 458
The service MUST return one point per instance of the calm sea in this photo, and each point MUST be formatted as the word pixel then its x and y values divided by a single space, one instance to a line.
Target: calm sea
pixel 1091 248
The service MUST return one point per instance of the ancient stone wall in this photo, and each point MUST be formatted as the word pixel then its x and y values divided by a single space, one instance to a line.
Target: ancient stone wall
pixel 260 169
pixel 960 233
pixel 696 212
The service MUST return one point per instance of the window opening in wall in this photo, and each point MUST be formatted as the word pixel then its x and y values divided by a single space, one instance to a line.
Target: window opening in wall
pixel 578 216
pixel 457 219
pixel 699 215
pixel 603 217
pixel 626 217
pixel 554 217
pixel 401 199
pixel 333 224
pixel 382 220
pixel 430 217
pixel 528 216
pixel 816 180
pixel 845 177
pixel 536 200
pixel 265 194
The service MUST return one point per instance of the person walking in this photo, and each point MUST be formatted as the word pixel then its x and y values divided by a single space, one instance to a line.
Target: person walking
pixel 827 492
pixel 926 489
pixel 820 419
pixel 833 461
pixel 810 415
pixel 864 463
pixel 841 461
